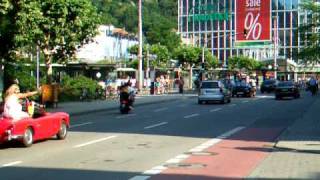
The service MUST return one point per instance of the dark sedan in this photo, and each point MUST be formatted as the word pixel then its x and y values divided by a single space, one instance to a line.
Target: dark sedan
pixel 243 89
pixel 287 89
pixel 268 86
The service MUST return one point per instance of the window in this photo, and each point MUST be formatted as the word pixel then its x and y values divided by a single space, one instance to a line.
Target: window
pixel 207 85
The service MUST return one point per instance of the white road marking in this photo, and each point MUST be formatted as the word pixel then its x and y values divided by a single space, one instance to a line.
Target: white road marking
pixel 264 96
pixel 94 141
pixel 214 141
pixel 140 178
pixel 153 171
pixel 82 124
pixel 125 116
pixel 191 115
pixel 155 125
pixel 231 105
pixel 161 109
pixel 245 101
pixel 215 110
pixel 12 164
pixel 179 158
pixel 229 133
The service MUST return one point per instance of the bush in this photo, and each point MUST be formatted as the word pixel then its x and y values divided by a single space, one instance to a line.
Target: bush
pixel 71 87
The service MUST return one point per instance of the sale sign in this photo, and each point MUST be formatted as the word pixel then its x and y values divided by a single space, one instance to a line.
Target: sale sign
pixel 253 22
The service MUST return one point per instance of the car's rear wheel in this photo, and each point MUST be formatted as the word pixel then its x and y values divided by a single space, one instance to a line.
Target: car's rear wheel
pixel 199 102
pixel 27 139
pixel 63 131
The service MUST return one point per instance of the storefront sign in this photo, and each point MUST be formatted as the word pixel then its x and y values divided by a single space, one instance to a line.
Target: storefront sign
pixel 253 23
pixel 205 13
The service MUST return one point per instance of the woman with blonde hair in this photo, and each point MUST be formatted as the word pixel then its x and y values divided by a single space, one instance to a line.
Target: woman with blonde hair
pixel 12 107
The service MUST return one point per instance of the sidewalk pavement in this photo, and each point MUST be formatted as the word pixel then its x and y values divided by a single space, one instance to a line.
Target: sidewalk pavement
pixel 296 153
pixel 84 107
pixel 304 133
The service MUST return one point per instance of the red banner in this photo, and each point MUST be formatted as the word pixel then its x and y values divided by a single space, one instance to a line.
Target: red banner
pixel 253 22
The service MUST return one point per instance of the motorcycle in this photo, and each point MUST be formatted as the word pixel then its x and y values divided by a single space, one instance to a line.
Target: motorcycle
pixel 126 101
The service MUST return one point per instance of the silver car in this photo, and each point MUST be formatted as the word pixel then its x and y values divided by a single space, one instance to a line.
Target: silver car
pixel 213 90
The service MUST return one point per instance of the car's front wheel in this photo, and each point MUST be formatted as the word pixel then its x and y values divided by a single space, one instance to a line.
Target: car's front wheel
pixel 27 139
pixel 63 131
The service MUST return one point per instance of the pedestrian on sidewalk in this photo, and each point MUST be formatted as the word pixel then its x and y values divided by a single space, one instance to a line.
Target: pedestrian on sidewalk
pixel 181 84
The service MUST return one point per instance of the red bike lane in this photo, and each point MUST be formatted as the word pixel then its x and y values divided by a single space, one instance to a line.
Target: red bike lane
pixel 232 158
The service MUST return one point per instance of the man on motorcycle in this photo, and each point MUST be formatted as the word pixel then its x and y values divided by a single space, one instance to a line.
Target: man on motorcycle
pixel 126 94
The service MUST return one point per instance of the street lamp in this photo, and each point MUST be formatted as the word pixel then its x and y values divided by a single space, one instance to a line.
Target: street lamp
pixel 275 41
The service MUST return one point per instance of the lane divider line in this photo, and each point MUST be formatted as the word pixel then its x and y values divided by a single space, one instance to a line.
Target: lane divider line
pixel 94 141
pixel 245 101
pixel 161 109
pixel 231 105
pixel 181 157
pixel 215 110
pixel 140 178
pixel 12 164
pixel 190 116
pixel 82 124
pixel 155 125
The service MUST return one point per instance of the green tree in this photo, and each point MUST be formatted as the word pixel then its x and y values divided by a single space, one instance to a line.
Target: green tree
pixel 58 27
pixel 159 18
pixel 243 62
pixel 187 54
pixel 162 55
pixel 210 60
pixel 8 30
pixel 310 52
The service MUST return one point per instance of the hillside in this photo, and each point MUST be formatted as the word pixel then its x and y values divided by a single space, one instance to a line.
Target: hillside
pixel 159 18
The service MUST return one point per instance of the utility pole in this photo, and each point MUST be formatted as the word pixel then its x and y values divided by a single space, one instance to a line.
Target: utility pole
pixel 140 74
pixel 275 39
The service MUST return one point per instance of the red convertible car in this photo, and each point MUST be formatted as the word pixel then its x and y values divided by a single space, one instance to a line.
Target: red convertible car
pixel 41 126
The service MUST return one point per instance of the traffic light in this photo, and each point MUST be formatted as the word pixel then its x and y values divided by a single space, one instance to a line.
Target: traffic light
pixel 202 65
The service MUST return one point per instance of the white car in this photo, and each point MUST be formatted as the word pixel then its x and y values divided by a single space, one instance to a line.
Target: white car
pixel 213 90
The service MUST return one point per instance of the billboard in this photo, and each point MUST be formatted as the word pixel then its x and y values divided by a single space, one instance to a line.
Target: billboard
pixel 252 23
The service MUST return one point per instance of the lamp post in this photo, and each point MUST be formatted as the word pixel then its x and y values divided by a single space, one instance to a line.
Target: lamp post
pixel 275 43
pixel 140 74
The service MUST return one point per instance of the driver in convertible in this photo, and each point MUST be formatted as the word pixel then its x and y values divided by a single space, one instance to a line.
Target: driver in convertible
pixel 12 107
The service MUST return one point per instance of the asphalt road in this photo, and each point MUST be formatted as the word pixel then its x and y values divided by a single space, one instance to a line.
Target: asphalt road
pixel 107 145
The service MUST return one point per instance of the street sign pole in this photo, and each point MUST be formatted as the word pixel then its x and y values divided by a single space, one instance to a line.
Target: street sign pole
pixel 140 74
pixel 275 39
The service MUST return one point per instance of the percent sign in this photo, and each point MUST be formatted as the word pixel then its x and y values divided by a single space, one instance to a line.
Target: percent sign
pixel 253 26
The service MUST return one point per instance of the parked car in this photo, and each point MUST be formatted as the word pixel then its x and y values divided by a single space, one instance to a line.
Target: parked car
pixel 213 90
pixel 243 89
pixel 43 125
pixel 287 89
pixel 268 86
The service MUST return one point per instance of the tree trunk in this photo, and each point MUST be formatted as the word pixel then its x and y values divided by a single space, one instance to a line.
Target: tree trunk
pixel 48 68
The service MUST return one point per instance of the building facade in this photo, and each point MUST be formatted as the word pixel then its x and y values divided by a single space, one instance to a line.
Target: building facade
pixel 211 24
pixel 110 44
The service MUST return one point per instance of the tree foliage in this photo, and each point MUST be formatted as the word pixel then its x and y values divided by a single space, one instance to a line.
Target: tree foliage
pixel 193 55
pixel 243 62
pixel 310 52
pixel 58 27
pixel 159 18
